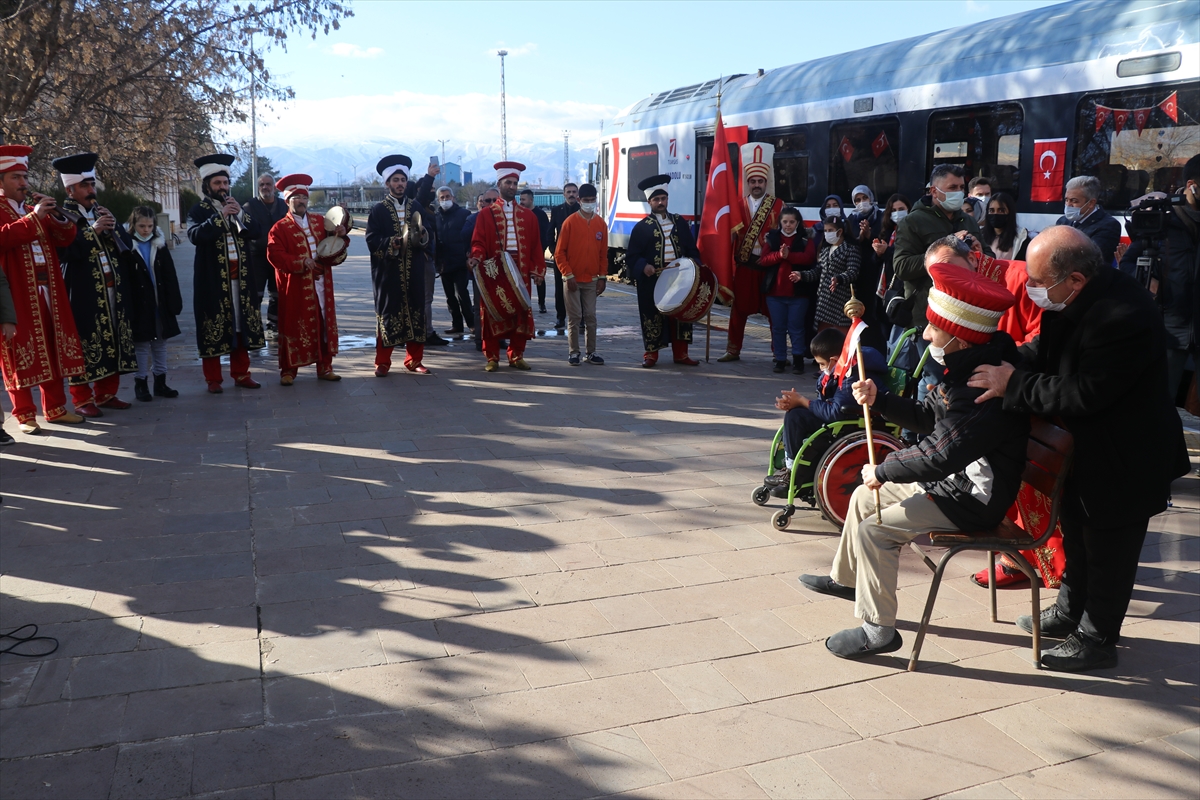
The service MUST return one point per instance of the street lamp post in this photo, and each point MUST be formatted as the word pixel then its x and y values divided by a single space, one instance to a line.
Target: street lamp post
pixel 503 120
pixel 253 117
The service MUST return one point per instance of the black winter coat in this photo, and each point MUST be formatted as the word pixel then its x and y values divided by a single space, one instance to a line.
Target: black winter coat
pixel 1102 228
pixel 973 458
pixel 1178 293
pixel 1101 365
pixel 155 303
pixel 453 242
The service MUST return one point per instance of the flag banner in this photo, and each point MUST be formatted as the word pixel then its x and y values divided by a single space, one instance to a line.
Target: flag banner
pixel 1140 117
pixel 1102 115
pixel 723 215
pixel 880 145
pixel 1170 107
pixel 1049 161
pixel 846 149
pixel 849 347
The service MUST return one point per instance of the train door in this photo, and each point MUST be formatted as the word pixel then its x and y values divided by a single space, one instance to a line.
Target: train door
pixel 602 178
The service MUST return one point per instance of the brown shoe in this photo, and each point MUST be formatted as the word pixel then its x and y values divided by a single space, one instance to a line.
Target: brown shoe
pixel 688 362
pixel 66 419
pixel 381 372
pixel 287 380
pixel 89 410
pixel 329 376
pixel 115 402
pixel 247 383
pixel 214 387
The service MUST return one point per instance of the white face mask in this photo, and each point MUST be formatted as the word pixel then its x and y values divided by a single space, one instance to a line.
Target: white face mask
pixel 588 208
pixel 899 215
pixel 144 238
pixel 1040 295
pixel 953 201
pixel 864 207
pixel 1072 213
pixel 938 354
pixel 446 204
pixel 831 237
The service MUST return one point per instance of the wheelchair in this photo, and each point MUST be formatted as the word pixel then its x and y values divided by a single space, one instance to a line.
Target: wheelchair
pixel 828 467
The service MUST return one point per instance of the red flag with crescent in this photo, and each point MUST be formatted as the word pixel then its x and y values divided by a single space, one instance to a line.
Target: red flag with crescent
pixel 1140 117
pixel 846 149
pixel 1120 117
pixel 1102 115
pixel 1049 161
pixel 880 145
pixel 723 215
pixel 1170 107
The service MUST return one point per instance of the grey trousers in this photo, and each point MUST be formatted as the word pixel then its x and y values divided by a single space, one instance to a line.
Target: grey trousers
pixel 868 556
pixel 581 307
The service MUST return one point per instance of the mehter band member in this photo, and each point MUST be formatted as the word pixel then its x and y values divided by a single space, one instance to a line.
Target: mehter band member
pixel 227 323
pixel 93 268
pixel 45 348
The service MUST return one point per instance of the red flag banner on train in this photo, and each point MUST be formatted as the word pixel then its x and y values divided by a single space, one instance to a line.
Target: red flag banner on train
pixel 1170 106
pixel 1140 117
pixel 723 214
pixel 1102 114
pixel 880 145
pixel 1049 157
pixel 1120 117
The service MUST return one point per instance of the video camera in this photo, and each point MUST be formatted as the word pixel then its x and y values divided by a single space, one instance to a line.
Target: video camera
pixel 1146 221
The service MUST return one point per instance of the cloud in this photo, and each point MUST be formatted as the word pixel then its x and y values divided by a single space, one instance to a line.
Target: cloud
pixel 348 50
pixel 513 52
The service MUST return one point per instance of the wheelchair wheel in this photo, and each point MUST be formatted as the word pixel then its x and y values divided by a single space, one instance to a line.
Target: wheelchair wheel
pixel 761 495
pixel 780 519
pixel 839 472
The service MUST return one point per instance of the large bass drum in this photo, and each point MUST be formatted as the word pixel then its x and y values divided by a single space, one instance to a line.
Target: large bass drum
pixel 685 290
pixel 502 288
pixel 839 472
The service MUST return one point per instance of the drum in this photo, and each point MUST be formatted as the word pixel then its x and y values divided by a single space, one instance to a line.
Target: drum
pixel 839 472
pixel 685 290
pixel 502 288
pixel 338 215
pixel 329 248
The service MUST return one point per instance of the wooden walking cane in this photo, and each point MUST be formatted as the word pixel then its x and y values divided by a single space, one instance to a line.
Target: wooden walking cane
pixel 854 309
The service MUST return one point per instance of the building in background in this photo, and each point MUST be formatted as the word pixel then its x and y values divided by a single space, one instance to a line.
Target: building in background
pixel 468 177
pixel 451 173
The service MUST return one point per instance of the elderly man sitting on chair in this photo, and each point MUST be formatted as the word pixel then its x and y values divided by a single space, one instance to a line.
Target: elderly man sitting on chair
pixel 963 475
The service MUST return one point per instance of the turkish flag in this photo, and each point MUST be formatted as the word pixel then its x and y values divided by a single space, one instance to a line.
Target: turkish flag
pixel 1102 115
pixel 880 145
pixel 848 359
pixel 1140 117
pixel 1170 107
pixel 723 216
pixel 1120 117
pixel 1049 161
pixel 846 149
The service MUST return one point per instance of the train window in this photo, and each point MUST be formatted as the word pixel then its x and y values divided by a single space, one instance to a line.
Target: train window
pixel 643 163
pixel 1132 162
pixel 864 153
pixel 791 165
pixel 984 140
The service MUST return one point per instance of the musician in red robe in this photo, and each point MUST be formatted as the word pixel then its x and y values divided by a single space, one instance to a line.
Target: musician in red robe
pixel 762 210
pixel 46 347
pixel 506 227
pixel 307 320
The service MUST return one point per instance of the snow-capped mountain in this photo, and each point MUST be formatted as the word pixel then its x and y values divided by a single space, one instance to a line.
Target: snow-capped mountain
pixel 544 160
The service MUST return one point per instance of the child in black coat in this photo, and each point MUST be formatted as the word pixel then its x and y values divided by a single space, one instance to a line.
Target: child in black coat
pixel 155 304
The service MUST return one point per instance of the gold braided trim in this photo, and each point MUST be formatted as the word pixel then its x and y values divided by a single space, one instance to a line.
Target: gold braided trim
pixel 951 308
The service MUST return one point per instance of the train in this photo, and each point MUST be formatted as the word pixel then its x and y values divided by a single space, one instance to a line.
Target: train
pixel 979 95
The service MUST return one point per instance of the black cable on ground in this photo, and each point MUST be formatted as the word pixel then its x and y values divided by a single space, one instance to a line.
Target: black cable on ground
pixel 20 640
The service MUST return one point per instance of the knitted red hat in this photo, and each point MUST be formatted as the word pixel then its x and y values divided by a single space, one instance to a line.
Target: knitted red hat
pixel 966 304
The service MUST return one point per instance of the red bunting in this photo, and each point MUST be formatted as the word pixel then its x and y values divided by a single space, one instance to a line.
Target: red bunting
pixel 1102 114
pixel 1170 107
pixel 1120 117
pixel 880 145
pixel 846 149
pixel 1140 117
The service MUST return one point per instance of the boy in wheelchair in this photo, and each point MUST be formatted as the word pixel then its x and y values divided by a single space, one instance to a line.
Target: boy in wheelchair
pixel 963 475
pixel 834 400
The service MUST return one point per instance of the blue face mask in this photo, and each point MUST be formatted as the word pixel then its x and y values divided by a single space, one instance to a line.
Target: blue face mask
pixel 953 201
pixel 1072 213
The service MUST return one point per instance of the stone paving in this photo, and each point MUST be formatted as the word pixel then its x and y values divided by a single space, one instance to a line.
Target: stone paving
pixel 519 585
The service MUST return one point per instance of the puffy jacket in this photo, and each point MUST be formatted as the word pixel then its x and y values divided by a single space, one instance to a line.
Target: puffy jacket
pixel 452 241
pixel 923 226
pixel 972 458
pixel 839 404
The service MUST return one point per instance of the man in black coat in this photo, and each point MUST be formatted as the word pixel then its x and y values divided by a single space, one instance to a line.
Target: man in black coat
pixel 545 232
pixel 963 475
pixel 1179 275
pixel 558 215
pixel 1100 365
pixel 1083 211
pixel 267 209
pixel 486 199
pixel 451 254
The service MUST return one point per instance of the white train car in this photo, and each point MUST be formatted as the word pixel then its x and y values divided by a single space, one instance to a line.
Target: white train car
pixel 978 96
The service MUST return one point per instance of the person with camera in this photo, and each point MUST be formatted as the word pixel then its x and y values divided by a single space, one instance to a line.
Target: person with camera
pixel 1174 279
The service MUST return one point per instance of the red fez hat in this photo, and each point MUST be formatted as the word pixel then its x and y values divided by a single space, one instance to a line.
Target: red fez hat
pixel 296 183
pixel 14 158
pixel 966 304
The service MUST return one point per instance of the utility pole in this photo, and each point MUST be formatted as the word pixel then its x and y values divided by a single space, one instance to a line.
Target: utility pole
pixel 253 120
pixel 566 157
pixel 503 120
pixel 443 141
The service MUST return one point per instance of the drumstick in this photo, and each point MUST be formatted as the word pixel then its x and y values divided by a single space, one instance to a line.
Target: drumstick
pixel 854 309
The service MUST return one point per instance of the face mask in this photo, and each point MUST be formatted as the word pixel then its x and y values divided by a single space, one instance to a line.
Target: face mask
pixel 1040 295
pixel 938 354
pixel 142 238
pixel 899 215
pixel 953 201
pixel 589 208
pixel 831 237
pixel 1072 213
pixel 864 207
pixel 997 220
pixel 446 204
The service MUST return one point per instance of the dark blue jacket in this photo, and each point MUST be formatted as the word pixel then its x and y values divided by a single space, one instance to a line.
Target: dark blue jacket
pixel 1102 228
pixel 835 402
pixel 453 240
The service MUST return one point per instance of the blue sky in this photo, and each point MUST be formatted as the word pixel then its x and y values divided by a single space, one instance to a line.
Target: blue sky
pixel 409 71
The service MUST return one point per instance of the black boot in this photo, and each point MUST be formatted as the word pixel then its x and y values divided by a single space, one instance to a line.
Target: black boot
pixel 161 389
pixel 141 391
